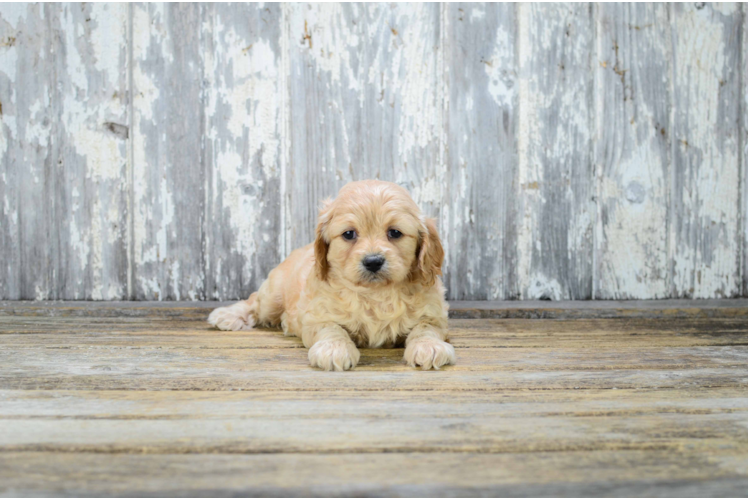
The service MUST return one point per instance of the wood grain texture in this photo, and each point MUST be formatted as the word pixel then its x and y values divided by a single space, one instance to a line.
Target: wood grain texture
pixel 632 110
pixel 167 150
pixel 193 405
pixel 705 180
pixel 364 88
pixel 158 152
pixel 30 255
pixel 743 103
pixel 385 432
pixel 242 146
pixel 482 145
pixel 87 353
pixel 98 404
pixel 585 473
pixel 117 333
pixel 92 190
pixel 555 180
pixel 526 309
pixel 65 151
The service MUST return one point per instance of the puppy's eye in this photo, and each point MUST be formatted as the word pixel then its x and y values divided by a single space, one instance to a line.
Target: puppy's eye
pixel 394 234
pixel 349 235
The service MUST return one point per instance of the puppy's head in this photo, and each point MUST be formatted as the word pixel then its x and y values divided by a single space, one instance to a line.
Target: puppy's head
pixel 373 234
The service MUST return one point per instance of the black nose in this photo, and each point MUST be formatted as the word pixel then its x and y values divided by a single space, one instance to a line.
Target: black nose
pixel 373 263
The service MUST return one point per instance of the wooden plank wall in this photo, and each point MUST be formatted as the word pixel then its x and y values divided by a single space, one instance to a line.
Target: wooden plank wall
pixel 179 151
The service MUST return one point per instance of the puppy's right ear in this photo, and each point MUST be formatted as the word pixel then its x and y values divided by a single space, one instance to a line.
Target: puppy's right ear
pixel 321 243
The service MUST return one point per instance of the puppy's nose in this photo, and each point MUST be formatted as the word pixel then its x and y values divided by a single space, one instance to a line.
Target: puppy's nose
pixel 373 263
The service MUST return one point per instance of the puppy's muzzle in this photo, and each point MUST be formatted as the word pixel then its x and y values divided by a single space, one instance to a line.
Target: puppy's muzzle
pixel 373 263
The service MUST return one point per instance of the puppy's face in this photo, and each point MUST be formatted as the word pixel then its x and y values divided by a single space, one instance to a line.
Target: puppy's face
pixel 373 234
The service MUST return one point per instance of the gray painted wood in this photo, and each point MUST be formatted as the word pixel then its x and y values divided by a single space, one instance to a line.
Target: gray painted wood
pixel 743 103
pixel 167 149
pixel 242 134
pixel 28 153
pixel 91 188
pixel 555 179
pixel 482 158
pixel 588 473
pixel 632 152
pixel 64 151
pixel 167 152
pixel 364 88
pixel 705 197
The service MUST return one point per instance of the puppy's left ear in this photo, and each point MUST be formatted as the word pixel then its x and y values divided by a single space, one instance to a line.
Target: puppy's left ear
pixel 430 255
pixel 321 244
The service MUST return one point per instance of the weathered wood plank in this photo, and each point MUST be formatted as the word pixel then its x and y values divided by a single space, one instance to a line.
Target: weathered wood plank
pixel 176 405
pixel 29 151
pixel 364 103
pixel 743 103
pixel 242 130
pixel 390 433
pixel 482 157
pixel 704 237
pixel 80 365
pixel 346 92
pixel 65 183
pixel 555 180
pixel 136 357
pixel 168 389
pixel 585 473
pixel 92 185
pixel 632 110
pixel 10 16
pixel 167 137
pixel 576 309
pixel 136 333
pixel 528 309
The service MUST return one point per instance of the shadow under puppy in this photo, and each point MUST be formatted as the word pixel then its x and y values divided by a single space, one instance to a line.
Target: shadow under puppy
pixel 370 279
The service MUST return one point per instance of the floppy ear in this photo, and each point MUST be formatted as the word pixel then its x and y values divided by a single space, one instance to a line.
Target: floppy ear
pixel 320 243
pixel 430 255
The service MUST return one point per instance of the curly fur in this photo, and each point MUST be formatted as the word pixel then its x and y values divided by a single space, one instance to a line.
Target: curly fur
pixel 323 293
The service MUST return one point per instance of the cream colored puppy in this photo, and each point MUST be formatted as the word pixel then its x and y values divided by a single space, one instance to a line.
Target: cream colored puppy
pixel 370 279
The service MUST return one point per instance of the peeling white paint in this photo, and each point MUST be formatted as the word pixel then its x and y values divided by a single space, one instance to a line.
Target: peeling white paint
pixel 554 137
pixel 417 85
pixel 11 16
pixel 149 248
pixel 314 23
pixel 382 95
pixel 106 37
pixel 708 148
pixel 542 287
pixel 78 241
pixel 4 139
pixel 500 69
pixel 167 219
pixel 477 14
pixel 37 132
pixel 429 191
pixel 241 208
pixel 243 75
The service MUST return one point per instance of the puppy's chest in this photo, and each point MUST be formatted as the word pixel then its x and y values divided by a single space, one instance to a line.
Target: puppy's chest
pixel 379 322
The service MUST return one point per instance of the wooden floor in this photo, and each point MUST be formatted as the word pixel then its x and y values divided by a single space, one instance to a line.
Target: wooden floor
pixel 634 399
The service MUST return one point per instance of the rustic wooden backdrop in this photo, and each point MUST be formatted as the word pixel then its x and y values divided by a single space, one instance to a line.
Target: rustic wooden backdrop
pixel 175 152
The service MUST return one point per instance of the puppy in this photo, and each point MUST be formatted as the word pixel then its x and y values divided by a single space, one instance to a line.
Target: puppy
pixel 370 279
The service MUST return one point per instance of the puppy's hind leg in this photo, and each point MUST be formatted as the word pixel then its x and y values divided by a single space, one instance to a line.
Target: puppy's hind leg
pixel 236 317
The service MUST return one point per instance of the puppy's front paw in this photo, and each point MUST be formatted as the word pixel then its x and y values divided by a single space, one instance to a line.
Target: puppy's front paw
pixel 334 355
pixel 429 353
pixel 232 318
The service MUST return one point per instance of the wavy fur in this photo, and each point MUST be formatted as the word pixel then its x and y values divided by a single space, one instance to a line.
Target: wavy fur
pixel 323 293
